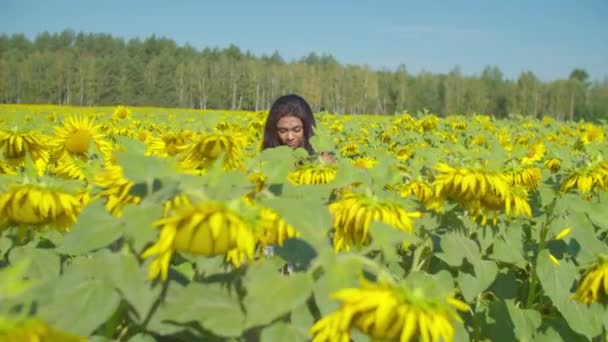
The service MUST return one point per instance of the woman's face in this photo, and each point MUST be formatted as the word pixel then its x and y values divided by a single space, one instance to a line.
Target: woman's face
pixel 291 131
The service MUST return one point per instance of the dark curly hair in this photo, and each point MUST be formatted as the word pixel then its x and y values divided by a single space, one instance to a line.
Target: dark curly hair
pixel 288 105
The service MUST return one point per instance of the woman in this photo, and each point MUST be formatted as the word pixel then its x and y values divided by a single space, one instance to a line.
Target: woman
pixel 290 122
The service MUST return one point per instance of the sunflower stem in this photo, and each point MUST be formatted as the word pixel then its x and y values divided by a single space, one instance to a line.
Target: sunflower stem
pixel 541 246
pixel 476 320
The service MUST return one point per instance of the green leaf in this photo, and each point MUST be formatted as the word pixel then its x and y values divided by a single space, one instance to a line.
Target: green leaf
pixel 456 248
pixel 5 245
pixel 288 292
pixel 130 278
pixel 142 338
pixel 348 174
pixel 321 143
pixel 225 185
pixel 138 221
pixel 582 241
pixel 340 271
pixel 144 169
pixel 384 172
pixel 510 247
pixel 44 264
pixel 281 331
pixel 206 266
pixel 95 228
pixel 79 303
pixel 276 163
pixel 506 285
pixel 297 252
pixel 14 282
pixel 597 213
pixel 472 285
pixel 525 322
pixel 386 238
pixel 310 218
pixel 556 329
pixel 186 269
pixel 496 324
pixel 301 318
pixel 547 194
pixel 213 307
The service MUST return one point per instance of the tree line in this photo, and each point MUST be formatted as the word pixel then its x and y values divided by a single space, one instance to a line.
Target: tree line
pixel 99 69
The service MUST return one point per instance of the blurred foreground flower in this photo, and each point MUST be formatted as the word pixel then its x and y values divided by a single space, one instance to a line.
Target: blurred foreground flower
pixel 484 193
pixel 594 287
pixel 30 205
pixel 207 228
pixel 33 330
pixel 115 189
pixel 313 174
pixel 388 311
pixel 353 214
pixel 17 145
pixel 207 149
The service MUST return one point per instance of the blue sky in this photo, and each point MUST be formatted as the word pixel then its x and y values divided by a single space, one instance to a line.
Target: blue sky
pixel 548 37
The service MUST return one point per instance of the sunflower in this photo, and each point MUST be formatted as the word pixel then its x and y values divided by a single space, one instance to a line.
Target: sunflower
pixel 258 180
pixel 128 132
pixel 385 137
pixel 429 122
pixel 313 174
pixel 479 140
pixel 514 204
pixel 594 287
pixel 76 136
pixel 349 150
pixel 29 205
pixel 206 149
pixel 207 228
pixel 272 229
pixel 121 113
pixel 353 214
pixel 504 139
pixel 528 177
pixel 69 168
pixel 458 125
pixel 534 153
pixel 222 126
pixel 590 133
pixel 403 153
pixel 34 330
pixel 481 192
pixel 18 144
pixel 469 183
pixel 389 311
pixel 6 169
pixel 336 127
pixel 144 135
pixel 115 189
pixel 175 202
pixel 587 179
pixel 421 189
pixel 553 164
pixel 364 162
pixel 169 144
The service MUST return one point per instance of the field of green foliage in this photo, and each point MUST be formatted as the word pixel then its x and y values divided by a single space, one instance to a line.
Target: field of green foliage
pixel 145 224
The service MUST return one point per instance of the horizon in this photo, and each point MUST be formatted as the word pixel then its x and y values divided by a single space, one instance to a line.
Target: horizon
pixel 382 37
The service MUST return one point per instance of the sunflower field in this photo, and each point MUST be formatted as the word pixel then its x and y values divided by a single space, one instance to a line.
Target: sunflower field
pixel 151 224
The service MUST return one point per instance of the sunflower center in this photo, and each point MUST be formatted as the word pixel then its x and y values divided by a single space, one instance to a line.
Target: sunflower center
pixel 78 142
